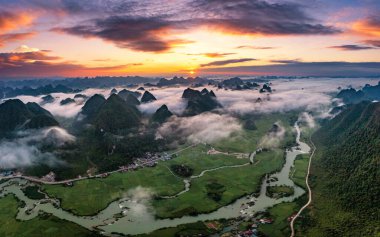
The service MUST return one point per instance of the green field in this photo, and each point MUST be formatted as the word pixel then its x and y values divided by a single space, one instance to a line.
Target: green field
pixel 87 197
pixel 279 191
pixel 198 159
pixel 237 182
pixel 299 170
pixel 44 225
pixel 280 225
pixel 247 140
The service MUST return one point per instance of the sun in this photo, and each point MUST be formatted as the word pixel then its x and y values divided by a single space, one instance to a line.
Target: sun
pixel 191 72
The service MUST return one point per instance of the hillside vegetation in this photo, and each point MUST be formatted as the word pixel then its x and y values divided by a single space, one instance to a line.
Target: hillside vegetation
pixel 346 175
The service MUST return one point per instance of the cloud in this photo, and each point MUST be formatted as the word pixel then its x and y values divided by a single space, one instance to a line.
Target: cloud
pixel 285 61
pixel 369 26
pixel 254 47
pixel 307 118
pixel 142 26
pixel 206 127
pixel 211 55
pixel 31 61
pixel 258 17
pixel 12 37
pixel 226 62
pixel 169 96
pixel 25 149
pixel 13 20
pixel 351 47
pixel 137 33
pixel 69 110
pixel 322 69
pixel 274 137
pixel 375 43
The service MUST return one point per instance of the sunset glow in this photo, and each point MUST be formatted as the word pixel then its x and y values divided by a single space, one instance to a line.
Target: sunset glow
pixel 87 38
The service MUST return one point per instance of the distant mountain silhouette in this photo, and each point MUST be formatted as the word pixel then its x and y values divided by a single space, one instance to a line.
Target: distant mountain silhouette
pixel 352 96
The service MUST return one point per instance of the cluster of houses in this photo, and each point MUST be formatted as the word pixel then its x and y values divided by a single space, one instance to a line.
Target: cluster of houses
pixel 149 160
pixel 50 177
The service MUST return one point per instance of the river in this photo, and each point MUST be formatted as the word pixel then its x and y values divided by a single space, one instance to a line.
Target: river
pixel 138 216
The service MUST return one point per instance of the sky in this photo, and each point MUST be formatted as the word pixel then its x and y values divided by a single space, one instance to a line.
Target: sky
pixel 70 38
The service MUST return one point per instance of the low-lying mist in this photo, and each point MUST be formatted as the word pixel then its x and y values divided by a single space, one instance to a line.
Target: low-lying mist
pixel 25 150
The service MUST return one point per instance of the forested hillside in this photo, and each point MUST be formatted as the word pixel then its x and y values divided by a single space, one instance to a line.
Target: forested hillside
pixel 346 175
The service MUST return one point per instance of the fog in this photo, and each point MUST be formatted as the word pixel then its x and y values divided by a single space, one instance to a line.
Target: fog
pixel 205 128
pixel 25 149
pixel 273 138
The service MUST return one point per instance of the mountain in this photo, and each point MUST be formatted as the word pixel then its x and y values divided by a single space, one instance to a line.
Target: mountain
pixel 14 114
pixel 80 96
pixel 161 114
pixel 147 97
pixel 41 90
pixel 181 81
pixel 345 174
pixel 67 101
pixel 115 114
pixel 47 99
pixel 124 93
pixel 198 102
pixel 40 121
pixel 352 96
pixel 37 110
pixel 266 88
pixel 92 105
pixel 132 100
pixel 235 81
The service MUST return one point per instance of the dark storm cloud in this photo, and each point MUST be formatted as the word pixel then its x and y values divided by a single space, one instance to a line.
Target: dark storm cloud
pixel 226 62
pixel 351 47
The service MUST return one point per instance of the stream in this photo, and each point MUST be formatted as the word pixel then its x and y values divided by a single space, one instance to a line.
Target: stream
pixel 137 215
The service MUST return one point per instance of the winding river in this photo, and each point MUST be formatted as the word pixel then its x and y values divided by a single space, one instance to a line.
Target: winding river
pixel 137 215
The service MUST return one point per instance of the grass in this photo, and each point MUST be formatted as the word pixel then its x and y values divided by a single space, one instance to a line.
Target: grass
pixel 236 181
pixel 279 214
pixel 299 170
pixel 87 197
pixel 43 225
pixel 279 191
pixel 198 159
pixel 248 140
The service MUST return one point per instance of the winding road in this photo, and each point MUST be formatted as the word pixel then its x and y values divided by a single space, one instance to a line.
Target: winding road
pixel 309 191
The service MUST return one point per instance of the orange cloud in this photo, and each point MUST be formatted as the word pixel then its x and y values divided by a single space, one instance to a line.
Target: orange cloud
pixel 369 26
pixel 12 20
pixel 7 38
pixel 41 64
